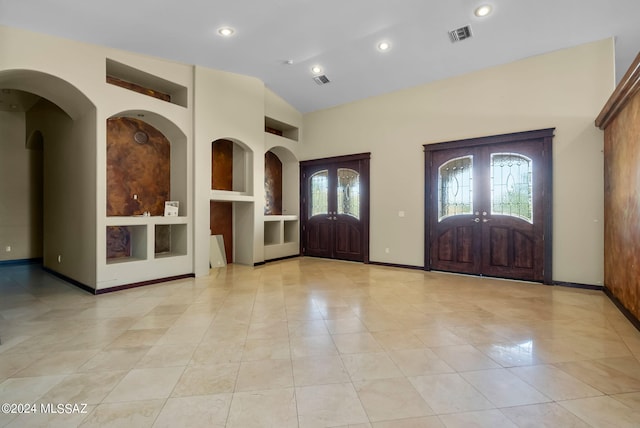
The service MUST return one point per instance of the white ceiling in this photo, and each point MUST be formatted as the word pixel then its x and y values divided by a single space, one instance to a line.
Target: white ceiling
pixel 339 35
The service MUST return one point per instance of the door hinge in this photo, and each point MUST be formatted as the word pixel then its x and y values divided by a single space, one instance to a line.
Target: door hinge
pixel 304 227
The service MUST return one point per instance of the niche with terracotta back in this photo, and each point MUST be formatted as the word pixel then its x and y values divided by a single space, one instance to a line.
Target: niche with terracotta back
pixel 231 177
pixel 272 184
pixel 140 159
pixel 281 188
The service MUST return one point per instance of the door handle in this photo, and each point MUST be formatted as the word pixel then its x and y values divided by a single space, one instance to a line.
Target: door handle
pixel 484 220
pixel 477 220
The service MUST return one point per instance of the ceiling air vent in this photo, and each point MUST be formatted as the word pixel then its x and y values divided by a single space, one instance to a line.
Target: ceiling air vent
pixel 460 34
pixel 321 80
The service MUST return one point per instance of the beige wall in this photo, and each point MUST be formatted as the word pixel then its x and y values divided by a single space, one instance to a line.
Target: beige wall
pixel 72 76
pixel 564 89
pixel 20 191
pixel 69 181
pixel 229 106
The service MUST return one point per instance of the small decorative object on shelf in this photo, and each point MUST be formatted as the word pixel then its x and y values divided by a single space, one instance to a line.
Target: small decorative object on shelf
pixel 171 208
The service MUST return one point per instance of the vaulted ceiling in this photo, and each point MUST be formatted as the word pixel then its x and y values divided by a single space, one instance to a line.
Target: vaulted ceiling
pixel 279 41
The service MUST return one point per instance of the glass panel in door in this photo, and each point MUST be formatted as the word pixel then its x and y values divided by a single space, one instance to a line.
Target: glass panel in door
pixel 319 193
pixel 348 192
pixel 512 185
pixel 455 187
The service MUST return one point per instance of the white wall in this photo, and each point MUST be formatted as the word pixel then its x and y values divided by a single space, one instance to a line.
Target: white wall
pixel 20 191
pixel 564 89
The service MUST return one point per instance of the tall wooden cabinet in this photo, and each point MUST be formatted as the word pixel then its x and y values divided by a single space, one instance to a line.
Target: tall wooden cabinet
pixel 620 120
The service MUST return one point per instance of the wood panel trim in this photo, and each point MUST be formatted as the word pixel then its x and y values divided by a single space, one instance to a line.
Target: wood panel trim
pixel 546 139
pixel 395 265
pixel 143 283
pixel 19 262
pixel 364 160
pixel 277 259
pixel 491 139
pixel 345 158
pixel 626 312
pixel 138 88
pixel 624 92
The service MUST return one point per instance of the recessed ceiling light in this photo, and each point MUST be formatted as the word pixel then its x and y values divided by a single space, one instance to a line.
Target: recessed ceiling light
pixel 384 46
pixel 483 10
pixel 226 31
pixel 316 69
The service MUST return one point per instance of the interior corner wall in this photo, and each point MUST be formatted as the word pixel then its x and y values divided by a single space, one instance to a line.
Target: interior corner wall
pixel 20 191
pixel 69 190
pixel 564 89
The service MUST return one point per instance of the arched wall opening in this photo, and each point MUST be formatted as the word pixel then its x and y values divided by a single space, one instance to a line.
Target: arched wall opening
pixel 56 123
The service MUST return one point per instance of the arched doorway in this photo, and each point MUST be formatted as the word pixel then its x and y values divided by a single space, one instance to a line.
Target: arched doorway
pixel 58 189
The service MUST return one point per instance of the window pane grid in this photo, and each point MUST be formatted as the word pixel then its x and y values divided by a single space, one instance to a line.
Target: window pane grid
pixel 349 192
pixel 455 188
pixel 319 190
pixel 512 185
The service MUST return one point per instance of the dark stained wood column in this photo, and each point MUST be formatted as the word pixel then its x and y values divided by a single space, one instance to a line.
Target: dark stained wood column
pixel 620 120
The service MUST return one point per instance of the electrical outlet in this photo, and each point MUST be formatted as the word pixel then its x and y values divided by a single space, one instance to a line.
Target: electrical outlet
pixel 386 250
pixel 7 248
pixel 59 258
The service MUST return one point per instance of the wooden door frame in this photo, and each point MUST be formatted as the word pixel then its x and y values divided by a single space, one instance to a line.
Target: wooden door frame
pixel 364 194
pixel 544 137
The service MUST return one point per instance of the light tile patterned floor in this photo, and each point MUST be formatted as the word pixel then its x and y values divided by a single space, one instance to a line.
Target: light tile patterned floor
pixel 316 343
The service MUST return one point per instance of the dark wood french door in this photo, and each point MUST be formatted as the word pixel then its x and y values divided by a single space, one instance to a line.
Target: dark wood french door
pixel 334 211
pixel 488 206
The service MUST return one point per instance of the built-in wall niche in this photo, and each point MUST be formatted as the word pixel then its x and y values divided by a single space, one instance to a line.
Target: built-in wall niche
pixel 170 240
pixel 126 243
pixel 281 223
pixel 281 129
pixel 282 178
pixel 221 223
pixel 272 184
pixel 146 165
pixel 231 167
pixel 139 81
pixel 138 168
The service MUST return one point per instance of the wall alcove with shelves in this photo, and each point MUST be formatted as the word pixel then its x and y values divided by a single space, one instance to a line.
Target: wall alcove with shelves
pixel 146 160
pixel 281 223
pixel 231 204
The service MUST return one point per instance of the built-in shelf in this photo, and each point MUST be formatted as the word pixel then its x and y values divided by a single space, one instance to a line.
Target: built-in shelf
pixel 141 82
pixel 129 245
pixel 170 240
pixel 281 129
pixel 144 220
pixel 120 260
pixel 138 236
pixel 230 196
pixel 278 218
pixel 281 236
